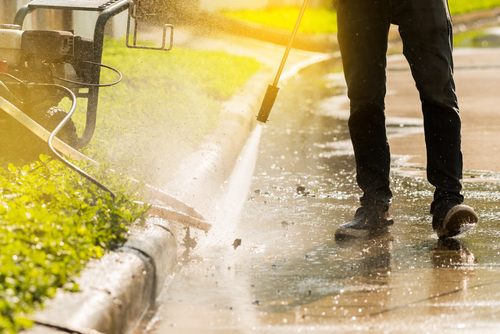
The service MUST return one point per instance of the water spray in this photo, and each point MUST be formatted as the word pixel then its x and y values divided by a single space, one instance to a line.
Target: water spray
pixel 272 90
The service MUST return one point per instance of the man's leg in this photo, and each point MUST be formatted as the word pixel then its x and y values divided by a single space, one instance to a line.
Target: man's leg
pixel 362 33
pixel 426 30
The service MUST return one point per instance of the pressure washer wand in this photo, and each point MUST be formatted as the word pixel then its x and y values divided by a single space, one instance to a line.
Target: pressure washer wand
pixel 272 90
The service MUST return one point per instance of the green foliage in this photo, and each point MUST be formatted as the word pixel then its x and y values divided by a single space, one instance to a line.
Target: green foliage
pixel 464 6
pixel 52 221
pixel 163 108
pixel 314 21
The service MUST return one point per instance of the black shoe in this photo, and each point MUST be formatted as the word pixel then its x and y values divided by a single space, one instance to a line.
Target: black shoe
pixel 369 221
pixel 451 219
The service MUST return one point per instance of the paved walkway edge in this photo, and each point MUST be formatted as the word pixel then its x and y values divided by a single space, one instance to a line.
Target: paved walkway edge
pixel 117 290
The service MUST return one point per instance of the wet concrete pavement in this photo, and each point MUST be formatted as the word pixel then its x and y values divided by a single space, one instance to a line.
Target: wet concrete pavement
pixel 289 275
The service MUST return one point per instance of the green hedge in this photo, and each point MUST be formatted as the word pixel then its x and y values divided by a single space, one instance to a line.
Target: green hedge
pixel 52 221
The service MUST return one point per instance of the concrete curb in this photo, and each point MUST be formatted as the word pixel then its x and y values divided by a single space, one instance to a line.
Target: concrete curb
pixel 476 19
pixel 117 290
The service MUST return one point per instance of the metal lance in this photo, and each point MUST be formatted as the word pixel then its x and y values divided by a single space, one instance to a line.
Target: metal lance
pixel 272 90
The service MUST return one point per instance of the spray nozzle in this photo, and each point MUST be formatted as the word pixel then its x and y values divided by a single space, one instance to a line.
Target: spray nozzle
pixel 272 90
pixel 267 103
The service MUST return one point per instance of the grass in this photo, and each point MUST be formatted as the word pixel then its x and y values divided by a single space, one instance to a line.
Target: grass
pixel 322 20
pixel 51 223
pixel 462 6
pixel 163 108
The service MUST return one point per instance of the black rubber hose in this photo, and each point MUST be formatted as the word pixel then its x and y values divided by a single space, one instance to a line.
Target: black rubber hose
pixel 58 128
pixel 84 84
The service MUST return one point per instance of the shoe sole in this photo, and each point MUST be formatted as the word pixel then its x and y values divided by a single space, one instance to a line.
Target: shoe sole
pixel 459 219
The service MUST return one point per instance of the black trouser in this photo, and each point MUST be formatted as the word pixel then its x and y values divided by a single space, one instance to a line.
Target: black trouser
pixel 426 31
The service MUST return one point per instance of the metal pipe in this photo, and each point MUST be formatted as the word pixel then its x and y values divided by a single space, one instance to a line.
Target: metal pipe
pixel 58 128
pixel 21 15
pixel 289 46
pixel 272 90
pixel 93 95
pixel 42 133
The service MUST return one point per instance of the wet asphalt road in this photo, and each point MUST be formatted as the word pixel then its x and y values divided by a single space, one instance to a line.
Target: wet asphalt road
pixel 289 275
